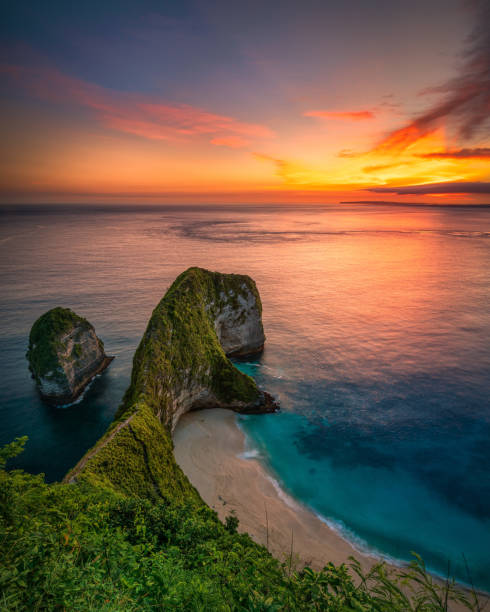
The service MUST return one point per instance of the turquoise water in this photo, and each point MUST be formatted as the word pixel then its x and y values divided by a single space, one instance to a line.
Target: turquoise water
pixel 376 488
pixel 378 325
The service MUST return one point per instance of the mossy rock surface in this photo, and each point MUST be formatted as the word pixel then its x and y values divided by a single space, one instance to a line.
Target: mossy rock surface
pixel 180 365
pixel 133 534
pixel 64 354
pixel 181 362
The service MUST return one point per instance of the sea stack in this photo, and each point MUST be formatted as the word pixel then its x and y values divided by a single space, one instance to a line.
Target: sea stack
pixel 181 364
pixel 64 355
pixel 182 361
pixel 237 315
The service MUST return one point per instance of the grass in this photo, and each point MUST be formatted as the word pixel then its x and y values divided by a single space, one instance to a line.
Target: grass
pixel 134 534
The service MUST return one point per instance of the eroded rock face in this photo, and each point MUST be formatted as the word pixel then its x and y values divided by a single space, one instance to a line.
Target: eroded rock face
pixel 64 355
pixel 181 364
pixel 238 322
pixel 182 361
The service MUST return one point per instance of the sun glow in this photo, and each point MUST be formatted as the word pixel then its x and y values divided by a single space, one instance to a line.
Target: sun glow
pixel 387 164
pixel 282 137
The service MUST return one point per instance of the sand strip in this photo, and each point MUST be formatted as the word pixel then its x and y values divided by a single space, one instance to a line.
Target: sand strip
pixel 208 446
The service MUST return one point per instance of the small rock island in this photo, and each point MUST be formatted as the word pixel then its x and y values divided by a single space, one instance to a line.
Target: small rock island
pixel 64 355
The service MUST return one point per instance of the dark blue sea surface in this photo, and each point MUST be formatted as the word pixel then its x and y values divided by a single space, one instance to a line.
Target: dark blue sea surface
pixel 378 347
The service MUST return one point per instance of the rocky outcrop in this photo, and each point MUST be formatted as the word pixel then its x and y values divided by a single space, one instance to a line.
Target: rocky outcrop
pixel 182 361
pixel 180 365
pixel 238 320
pixel 64 355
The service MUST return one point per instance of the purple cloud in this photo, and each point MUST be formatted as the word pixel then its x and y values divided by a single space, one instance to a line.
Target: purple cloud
pixel 465 101
pixel 475 153
pixel 454 188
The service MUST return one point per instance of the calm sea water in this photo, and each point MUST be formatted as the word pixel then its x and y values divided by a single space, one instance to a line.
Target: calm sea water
pixel 378 347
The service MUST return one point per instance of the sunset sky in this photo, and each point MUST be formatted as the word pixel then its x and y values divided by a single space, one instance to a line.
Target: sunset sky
pixel 256 101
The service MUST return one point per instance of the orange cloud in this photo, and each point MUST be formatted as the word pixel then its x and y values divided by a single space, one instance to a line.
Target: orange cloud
pixel 134 114
pixel 344 115
pixel 476 153
pixel 348 153
pixel 292 173
pixel 378 167
pixel 401 139
pixel 234 142
pixel 465 103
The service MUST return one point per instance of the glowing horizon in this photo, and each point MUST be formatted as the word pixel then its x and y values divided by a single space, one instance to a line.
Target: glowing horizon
pixel 92 112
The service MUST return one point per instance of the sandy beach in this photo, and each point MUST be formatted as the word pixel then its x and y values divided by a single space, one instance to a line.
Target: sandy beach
pixel 209 447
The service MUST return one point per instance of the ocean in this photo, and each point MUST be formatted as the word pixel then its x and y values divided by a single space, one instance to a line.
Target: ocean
pixel 377 320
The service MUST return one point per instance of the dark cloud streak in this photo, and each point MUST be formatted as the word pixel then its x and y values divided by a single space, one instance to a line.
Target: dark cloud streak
pixel 456 187
pixel 476 153
pixel 465 105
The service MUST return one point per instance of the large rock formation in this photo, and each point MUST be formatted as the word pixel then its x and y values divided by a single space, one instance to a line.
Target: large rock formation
pixel 181 364
pixel 238 318
pixel 64 355
pixel 182 361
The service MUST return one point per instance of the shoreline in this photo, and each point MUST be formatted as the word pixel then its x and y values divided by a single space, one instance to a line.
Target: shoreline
pixel 359 546
pixel 210 447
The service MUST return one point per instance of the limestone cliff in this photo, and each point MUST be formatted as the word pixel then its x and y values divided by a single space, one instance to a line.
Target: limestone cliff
pixel 64 354
pixel 181 364
pixel 237 317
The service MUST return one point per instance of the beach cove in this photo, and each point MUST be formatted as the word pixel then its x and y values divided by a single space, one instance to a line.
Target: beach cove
pixel 211 449
pixel 376 350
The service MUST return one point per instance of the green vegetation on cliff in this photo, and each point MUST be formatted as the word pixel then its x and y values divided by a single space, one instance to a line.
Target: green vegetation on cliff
pixel 89 548
pixel 179 364
pixel 180 348
pixel 64 354
pixel 135 458
pixel 132 533
pixel 44 340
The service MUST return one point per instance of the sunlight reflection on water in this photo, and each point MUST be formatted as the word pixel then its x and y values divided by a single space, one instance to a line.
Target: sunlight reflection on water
pixel 377 325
